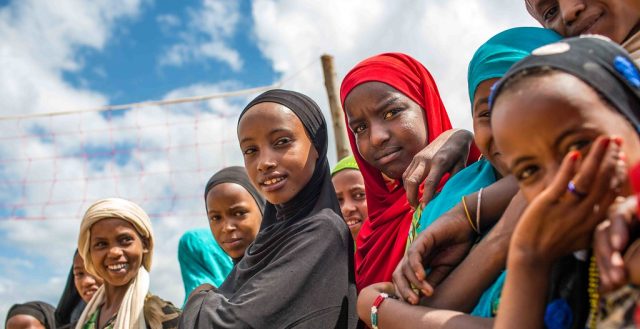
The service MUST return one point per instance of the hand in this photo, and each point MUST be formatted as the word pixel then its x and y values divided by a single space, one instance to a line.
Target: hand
pixel 558 222
pixel 610 240
pixel 448 153
pixel 441 247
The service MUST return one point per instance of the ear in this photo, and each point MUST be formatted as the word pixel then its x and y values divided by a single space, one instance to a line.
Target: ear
pixel 145 245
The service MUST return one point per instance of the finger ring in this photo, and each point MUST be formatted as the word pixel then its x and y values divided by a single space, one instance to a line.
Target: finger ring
pixel 572 188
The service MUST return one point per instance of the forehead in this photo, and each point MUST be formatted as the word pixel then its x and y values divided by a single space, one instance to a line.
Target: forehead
pixel 370 94
pixel 110 227
pixel 348 178
pixel 275 114
pixel 227 192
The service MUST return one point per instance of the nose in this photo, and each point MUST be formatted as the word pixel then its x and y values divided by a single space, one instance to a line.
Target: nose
pixel 379 135
pixel 115 252
pixel 347 207
pixel 228 226
pixel 266 161
pixel 571 10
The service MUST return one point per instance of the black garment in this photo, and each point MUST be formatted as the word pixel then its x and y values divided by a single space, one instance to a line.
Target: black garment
pixel 237 175
pixel 298 273
pixel 602 64
pixel 608 69
pixel 42 311
pixel 71 304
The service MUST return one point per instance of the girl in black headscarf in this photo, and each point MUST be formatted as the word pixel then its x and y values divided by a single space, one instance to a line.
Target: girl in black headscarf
pixel 565 120
pixel 298 273
pixel 31 315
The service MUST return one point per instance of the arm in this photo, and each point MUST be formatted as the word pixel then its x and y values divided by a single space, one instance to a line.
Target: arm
pixel 462 289
pixel 394 314
pixel 444 244
pixel 448 153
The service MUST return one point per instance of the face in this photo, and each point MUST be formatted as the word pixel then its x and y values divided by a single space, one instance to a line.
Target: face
pixel 85 283
pixel 279 156
pixel 234 217
pixel 349 186
pixel 116 251
pixel 389 127
pixel 616 19
pixel 23 321
pixel 562 114
pixel 482 126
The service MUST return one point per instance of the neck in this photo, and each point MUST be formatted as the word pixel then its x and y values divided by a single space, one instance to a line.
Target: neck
pixel 114 295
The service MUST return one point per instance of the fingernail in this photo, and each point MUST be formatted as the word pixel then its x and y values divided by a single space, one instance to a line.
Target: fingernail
pixel 606 141
pixel 616 241
pixel 622 156
pixel 616 259
pixel 575 156
pixel 617 140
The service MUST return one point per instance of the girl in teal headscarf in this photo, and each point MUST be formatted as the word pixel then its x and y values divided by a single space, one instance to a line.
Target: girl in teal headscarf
pixel 201 260
pixel 490 62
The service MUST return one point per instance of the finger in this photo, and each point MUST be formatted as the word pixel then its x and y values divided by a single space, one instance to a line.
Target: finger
pixel 602 250
pixel 431 182
pixel 583 179
pixel 402 285
pixel 458 167
pixel 438 274
pixel 412 183
pixel 415 283
pixel 619 232
pixel 567 169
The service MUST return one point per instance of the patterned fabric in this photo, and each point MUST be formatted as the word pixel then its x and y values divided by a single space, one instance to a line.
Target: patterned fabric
pixel 620 309
pixel 159 314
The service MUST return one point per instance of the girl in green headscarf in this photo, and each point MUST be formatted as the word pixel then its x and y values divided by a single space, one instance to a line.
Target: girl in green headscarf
pixel 349 185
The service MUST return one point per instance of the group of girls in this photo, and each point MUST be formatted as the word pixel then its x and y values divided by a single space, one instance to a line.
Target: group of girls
pixel 529 222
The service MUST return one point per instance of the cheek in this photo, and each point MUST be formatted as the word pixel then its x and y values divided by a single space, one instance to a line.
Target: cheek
pixel 482 136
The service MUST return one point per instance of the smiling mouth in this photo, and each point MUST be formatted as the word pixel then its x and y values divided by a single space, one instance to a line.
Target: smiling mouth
pixel 353 221
pixel 388 156
pixel 118 267
pixel 273 183
pixel 587 29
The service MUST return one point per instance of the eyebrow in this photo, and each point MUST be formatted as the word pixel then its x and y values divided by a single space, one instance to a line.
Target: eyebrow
pixel 386 102
pixel 484 100
pixel 273 131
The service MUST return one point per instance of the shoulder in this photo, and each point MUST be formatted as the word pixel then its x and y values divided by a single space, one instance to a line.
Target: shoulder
pixel 159 313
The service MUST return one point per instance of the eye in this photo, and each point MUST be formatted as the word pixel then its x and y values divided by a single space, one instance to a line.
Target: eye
pixel 391 113
pixel 484 114
pixel 283 141
pixel 359 195
pixel 126 240
pixel 214 218
pixel 579 145
pixel 526 173
pixel 249 151
pixel 99 245
pixel 359 128
pixel 550 13
pixel 240 213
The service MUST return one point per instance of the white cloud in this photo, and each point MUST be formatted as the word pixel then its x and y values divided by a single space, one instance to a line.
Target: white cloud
pixel 208 31
pixel 175 149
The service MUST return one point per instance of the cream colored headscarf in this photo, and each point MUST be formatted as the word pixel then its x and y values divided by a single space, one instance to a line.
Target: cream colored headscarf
pixel 130 314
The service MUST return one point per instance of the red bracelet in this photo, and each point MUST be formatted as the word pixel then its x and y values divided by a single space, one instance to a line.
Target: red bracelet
pixel 374 309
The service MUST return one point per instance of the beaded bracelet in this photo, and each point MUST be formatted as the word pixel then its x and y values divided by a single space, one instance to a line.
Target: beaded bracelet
pixel 376 304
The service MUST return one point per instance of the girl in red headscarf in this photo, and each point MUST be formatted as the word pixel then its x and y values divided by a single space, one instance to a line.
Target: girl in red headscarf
pixel 394 111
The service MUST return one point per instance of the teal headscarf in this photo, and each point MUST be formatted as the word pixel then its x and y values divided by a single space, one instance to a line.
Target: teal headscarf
pixel 492 60
pixel 201 260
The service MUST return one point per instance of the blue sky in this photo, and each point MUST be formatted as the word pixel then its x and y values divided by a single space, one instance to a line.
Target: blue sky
pixel 75 54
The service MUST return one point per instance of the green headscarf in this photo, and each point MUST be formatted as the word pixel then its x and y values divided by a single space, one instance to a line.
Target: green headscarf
pixel 346 163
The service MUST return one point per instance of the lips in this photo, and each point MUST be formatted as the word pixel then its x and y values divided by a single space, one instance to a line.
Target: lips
pixel 273 182
pixel 118 267
pixel 387 155
pixel 586 24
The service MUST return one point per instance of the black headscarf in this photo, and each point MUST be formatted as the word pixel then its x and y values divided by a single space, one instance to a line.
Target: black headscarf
pixel 299 270
pixel 42 311
pixel 237 175
pixel 600 63
pixel 607 68
pixel 71 304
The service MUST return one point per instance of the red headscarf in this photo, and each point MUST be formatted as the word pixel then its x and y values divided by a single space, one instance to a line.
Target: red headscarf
pixel 382 239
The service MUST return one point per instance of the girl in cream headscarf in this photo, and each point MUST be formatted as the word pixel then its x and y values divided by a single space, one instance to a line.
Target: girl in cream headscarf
pixel 116 243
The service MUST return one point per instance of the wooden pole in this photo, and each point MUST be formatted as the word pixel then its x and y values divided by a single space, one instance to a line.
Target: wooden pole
pixel 337 116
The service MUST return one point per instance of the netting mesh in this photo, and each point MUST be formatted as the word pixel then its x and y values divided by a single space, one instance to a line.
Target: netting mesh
pixel 160 156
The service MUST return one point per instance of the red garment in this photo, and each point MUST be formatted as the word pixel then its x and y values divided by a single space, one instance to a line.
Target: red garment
pixel 382 239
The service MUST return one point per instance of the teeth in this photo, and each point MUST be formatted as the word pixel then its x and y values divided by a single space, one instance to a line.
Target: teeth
pixel 273 180
pixel 117 267
pixel 353 222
